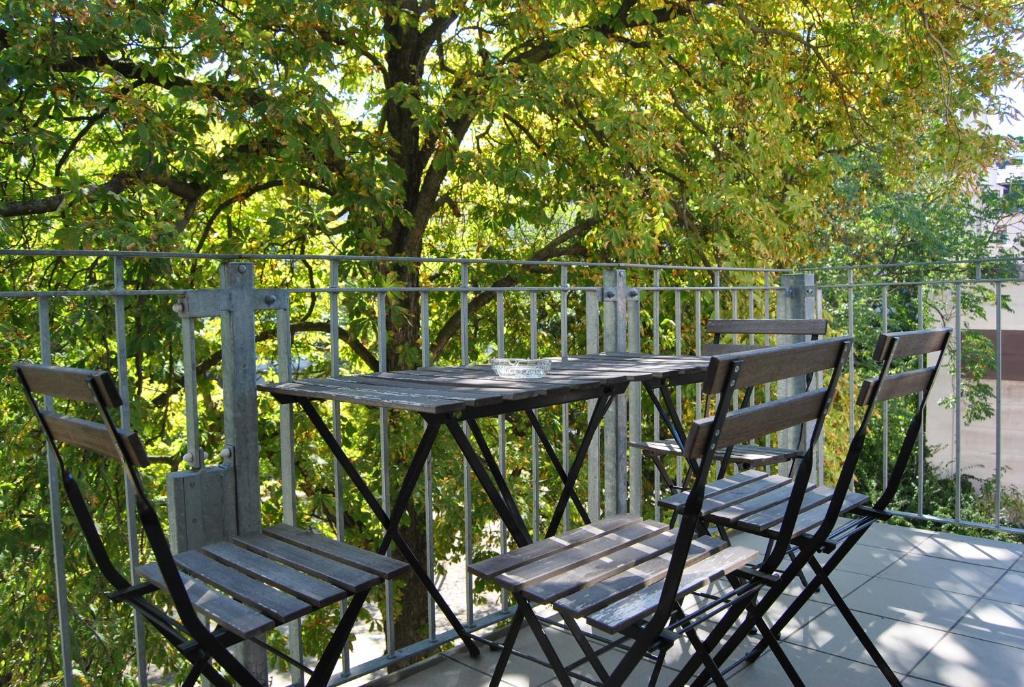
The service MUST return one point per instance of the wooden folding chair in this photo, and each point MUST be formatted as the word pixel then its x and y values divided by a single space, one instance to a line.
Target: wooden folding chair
pixel 744 335
pixel 627 576
pixel 750 506
pixel 245 586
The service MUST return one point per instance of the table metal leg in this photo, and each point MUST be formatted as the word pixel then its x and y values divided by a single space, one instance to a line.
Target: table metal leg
pixel 569 488
pixel 378 510
pixel 506 509
pixel 549 450
pixel 496 474
pixel 667 411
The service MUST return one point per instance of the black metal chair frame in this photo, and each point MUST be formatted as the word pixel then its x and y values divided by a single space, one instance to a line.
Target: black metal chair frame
pixel 189 633
pixel 810 328
pixel 669 622
pixel 837 543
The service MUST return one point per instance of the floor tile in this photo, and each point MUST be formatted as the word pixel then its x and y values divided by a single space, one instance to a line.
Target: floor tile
pixel 902 644
pixel 817 670
pixel 911 603
pixel 956 547
pixel 894 537
pixel 1009 588
pixel 939 573
pixel 960 661
pixel 867 560
pixel 845 582
pixel 994 622
pixel 811 610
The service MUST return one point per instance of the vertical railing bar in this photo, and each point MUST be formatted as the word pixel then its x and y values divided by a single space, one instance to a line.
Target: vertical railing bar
pixel 735 309
pixel 500 335
pixel 767 296
pixel 999 403
pixel 56 530
pixel 428 472
pixel 467 486
pixel 656 350
pixel 958 410
pixel 698 389
pixel 851 362
pixel 820 384
pixel 564 352
pixel 288 478
pixel 923 362
pixel 339 478
pixel 534 445
pixel 717 282
pixel 885 404
pixel 385 463
pixel 678 312
pixel 593 344
pixel 121 336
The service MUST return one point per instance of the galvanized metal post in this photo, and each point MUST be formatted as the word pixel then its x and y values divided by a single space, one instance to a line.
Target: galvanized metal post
pixel 636 474
pixel 614 296
pixel 797 301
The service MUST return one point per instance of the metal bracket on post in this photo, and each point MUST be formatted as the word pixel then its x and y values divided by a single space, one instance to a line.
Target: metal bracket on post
pixel 615 296
pixel 797 301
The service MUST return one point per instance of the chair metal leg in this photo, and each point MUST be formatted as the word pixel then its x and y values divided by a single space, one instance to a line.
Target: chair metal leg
pixel 780 655
pixel 506 650
pixel 858 630
pixel 709 663
pixel 329 658
pixel 584 645
pixel 545 644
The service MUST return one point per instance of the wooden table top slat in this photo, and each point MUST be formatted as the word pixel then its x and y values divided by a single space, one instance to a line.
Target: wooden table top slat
pixel 443 390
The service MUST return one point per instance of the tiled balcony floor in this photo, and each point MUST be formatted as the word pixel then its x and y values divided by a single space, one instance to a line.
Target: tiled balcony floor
pixel 943 609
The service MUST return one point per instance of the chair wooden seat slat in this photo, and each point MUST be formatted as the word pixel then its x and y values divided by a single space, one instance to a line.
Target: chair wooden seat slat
pixel 812 518
pixel 499 564
pixel 345 576
pixel 234 615
pixel 269 600
pixel 625 581
pixel 626 558
pixel 381 566
pixel 620 615
pixel 575 556
pixel 312 590
pixel 744 454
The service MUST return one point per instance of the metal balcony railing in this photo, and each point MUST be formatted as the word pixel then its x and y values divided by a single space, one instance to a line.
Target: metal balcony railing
pixel 339 314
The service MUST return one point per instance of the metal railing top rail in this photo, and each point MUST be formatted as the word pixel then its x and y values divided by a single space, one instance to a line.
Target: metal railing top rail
pixel 916 263
pixel 227 257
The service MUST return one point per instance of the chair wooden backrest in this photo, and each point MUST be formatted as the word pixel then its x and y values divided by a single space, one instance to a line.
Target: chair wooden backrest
pixel 731 425
pixel 81 389
pixel 750 329
pixel 889 349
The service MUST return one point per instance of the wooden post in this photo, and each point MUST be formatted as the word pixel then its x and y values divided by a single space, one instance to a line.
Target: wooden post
pixel 212 502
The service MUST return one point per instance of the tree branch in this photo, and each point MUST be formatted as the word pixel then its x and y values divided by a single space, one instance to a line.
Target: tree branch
pixel 203 367
pixel 558 246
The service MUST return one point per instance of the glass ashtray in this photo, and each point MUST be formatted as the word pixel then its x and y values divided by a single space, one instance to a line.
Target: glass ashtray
pixel 521 368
